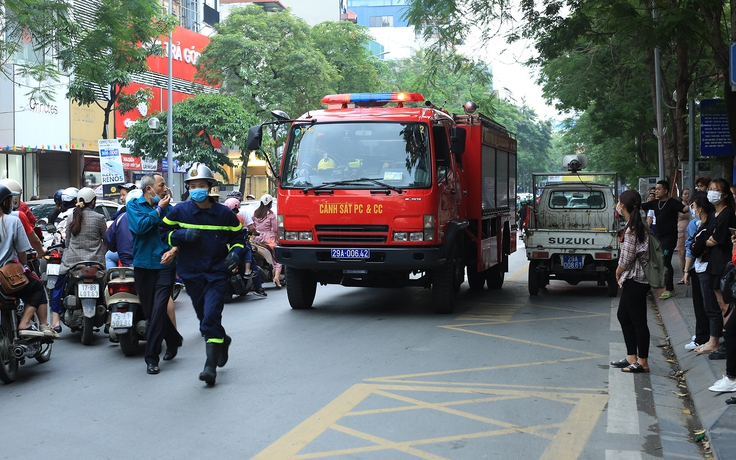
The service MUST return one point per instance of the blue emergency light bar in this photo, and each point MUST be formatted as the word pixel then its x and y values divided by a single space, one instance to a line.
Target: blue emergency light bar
pixel 372 98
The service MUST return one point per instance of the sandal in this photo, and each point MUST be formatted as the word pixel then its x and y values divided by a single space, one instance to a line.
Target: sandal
pixel 704 350
pixel 620 364
pixel 277 283
pixel 635 368
pixel 666 295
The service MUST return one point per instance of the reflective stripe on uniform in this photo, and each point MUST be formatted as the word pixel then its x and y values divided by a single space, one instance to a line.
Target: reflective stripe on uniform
pixel 168 221
pixel 215 340
pixel 236 246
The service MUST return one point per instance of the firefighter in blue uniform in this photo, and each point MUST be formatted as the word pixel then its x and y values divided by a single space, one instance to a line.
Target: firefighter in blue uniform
pixel 210 240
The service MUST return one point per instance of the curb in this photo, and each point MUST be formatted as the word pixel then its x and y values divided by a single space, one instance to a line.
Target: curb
pixel 716 417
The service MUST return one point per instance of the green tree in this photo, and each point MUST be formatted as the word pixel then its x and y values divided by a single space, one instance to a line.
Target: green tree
pixel 196 122
pixel 108 51
pixel 344 46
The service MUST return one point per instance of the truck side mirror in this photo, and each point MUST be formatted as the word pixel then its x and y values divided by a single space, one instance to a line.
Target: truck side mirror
pixel 255 134
pixel 457 140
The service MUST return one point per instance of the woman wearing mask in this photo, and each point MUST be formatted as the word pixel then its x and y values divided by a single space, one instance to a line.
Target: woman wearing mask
pixel 632 308
pixel 85 239
pixel 265 222
pixel 720 248
pixel 682 220
pixel 696 261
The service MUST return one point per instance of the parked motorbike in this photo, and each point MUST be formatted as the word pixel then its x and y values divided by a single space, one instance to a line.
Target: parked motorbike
pixel 128 323
pixel 84 299
pixel 15 349
pixel 264 258
pixel 238 285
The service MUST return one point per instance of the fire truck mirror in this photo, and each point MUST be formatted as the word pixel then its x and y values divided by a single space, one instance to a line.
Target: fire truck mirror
pixel 457 138
pixel 254 138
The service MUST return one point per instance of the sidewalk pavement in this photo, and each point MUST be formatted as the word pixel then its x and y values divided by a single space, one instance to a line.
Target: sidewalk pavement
pixel 716 417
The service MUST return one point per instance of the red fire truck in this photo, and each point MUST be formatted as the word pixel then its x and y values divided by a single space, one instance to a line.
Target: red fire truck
pixel 380 190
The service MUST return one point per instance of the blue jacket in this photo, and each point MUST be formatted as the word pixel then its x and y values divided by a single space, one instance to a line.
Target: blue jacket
pixel 118 238
pixel 220 232
pixel 143 221
pixel 692 227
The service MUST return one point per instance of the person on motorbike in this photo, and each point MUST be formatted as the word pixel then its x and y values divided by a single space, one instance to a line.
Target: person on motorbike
pixel 118 231
pixel 18 204
pixel 266 226
pixel 51 218
pixel 13 246
pixel 247 258
pixel 85 241
pixel 211 241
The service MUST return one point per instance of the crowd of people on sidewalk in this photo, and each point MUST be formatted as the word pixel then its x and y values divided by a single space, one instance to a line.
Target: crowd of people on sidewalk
pixel 701 228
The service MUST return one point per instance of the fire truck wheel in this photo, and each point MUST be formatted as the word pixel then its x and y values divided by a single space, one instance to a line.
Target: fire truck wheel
pixel 301 288
pixel 475 280
pixel 533 278
pixel 445 283
pixel 494 277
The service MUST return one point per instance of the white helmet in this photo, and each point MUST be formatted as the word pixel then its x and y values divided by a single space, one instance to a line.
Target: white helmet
pixel 86 195
pixel 14 187
pixel 69 194
pixel 201 171
pixel 266 199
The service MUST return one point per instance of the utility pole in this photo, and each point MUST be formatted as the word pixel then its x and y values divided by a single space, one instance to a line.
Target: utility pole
pixel 659 132
pixel 170 117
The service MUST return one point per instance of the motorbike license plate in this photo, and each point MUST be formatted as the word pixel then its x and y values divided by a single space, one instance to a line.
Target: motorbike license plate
pixel 88 291
pixel 52 269
pixel 350 253
pixel 121 319
pixel 572 262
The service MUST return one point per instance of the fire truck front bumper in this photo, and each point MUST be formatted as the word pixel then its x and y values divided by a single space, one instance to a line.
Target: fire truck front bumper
pixel 378 259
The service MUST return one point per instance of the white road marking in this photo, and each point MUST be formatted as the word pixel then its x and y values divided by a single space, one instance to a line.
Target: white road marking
pixel 623 415
pixel 622 455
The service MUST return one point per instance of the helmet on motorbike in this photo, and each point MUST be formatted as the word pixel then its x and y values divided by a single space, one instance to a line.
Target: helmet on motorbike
pixel 6 193
pixel 200 171
pixel 57 196
pixel 14 186
pixel 86 195
pixel 129 186
pixel 235 194
pixel 232 203
pixel 250 197
pixel 69 194
pixel 266 199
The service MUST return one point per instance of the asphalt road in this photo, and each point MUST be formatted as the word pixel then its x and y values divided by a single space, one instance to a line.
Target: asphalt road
pixel 365 374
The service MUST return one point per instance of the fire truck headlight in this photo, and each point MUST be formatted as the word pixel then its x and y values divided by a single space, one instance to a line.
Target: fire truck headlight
pixel 292 235
pixel 305 236
pixel 400 236
pixel 416 236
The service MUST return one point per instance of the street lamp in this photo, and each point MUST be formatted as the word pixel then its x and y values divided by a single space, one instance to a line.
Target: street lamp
pixel 170 118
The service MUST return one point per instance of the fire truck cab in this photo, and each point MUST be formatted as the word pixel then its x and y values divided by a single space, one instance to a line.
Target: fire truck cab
pixel 380 191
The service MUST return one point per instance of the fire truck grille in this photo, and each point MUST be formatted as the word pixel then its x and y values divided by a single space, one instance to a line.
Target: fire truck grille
pixel 375 234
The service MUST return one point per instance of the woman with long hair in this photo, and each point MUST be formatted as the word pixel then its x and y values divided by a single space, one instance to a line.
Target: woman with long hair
pixel 85 239
pixel 13 246
pixel 265 222
pixel 720 249
pixel 632 307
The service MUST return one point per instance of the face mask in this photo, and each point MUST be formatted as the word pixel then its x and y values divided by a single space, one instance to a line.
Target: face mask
pixel 198 194
pixel 155 198
pixel 692 212
pixel 618 208
pixel 714 196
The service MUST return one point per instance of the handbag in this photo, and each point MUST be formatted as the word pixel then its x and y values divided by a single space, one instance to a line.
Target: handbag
pixel 13 277
pixel 728 284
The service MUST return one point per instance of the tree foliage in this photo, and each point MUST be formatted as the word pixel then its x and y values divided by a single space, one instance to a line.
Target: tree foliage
pixel 108 51
pixel 196 122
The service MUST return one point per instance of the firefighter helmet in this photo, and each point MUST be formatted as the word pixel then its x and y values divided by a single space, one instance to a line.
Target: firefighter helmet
pixel 201 171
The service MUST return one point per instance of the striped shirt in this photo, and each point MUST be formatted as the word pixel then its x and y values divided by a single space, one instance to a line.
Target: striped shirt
pixel 632 254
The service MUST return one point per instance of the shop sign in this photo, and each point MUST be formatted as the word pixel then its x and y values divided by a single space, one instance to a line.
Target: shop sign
pixel 41 125
pixel 131 163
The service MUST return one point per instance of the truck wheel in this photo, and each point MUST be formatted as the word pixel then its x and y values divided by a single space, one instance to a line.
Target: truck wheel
pixel 444 281
pixel 612 284
pixel 301 288
pixel 475 280
pixel 494 277
pixel 129 343
pixel 88 328
pixel 533 277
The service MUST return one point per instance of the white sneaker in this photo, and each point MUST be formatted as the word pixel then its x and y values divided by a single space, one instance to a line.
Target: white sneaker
pixel 692 345
pixel 693 339
pixel 724 385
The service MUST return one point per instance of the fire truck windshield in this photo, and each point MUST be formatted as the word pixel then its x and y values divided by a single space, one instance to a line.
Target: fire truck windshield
pixel 381 154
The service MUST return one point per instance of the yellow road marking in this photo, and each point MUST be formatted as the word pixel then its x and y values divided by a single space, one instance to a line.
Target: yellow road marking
pixel 572 437
pixel 517 274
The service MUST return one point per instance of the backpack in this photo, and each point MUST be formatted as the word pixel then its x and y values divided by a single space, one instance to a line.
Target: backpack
pixel 654 269
pixel 728 284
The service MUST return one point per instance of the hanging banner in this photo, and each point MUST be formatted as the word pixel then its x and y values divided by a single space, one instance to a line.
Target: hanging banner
pixel 131 163
pixel 148 164
pixel 111 164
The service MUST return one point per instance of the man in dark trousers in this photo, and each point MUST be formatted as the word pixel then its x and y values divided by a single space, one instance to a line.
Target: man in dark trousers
pixel 155 270
pixel 665 212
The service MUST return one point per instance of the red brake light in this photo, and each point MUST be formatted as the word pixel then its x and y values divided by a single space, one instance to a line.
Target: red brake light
pixel 116 288
pixel 602 255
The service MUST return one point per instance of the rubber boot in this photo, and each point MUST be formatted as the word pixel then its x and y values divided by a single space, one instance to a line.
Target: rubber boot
pixel 223 351
pixel 209 374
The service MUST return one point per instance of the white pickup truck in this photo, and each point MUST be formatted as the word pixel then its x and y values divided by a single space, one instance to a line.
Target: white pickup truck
pixel 572 233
